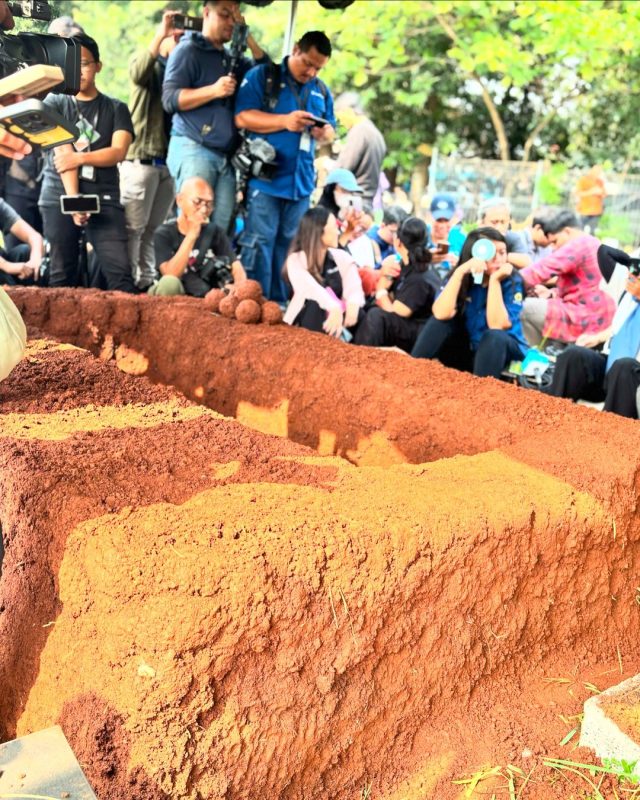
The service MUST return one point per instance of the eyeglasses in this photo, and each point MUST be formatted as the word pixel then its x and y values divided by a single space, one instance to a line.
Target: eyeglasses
pixel 200 202
pixel 85 64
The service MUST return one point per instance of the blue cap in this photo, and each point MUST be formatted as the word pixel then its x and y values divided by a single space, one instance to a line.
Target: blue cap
pixel 443 206
pixel 344 178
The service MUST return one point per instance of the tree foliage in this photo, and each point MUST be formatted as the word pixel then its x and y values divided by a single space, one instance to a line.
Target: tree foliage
pixel 493 78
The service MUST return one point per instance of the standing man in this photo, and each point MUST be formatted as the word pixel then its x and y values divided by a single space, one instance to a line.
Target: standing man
pixel 364 147
pixel 198 90
pixel 292 108
pixel 590 193
pixel 89 166
pixel 146 187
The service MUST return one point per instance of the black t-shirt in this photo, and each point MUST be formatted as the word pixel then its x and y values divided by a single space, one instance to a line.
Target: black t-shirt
pixel 167 240
pixel 105 115
pixel 417 290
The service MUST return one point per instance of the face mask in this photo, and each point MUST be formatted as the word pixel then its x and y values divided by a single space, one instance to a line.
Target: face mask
pixel 342 200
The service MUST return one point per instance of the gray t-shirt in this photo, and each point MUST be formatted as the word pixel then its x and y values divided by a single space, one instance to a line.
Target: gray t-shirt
pixel 362 153
pixel 8 217
pixel 516 243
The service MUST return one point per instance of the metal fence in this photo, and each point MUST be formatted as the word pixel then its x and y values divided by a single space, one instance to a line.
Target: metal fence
pixel 531 184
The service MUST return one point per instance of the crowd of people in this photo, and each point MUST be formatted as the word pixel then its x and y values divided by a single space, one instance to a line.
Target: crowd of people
pixel 207 178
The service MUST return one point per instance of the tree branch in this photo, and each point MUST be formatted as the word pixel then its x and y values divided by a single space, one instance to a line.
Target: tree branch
pixel 494 114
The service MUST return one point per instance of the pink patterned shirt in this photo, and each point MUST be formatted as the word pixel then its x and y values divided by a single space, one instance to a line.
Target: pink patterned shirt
pixel 580 306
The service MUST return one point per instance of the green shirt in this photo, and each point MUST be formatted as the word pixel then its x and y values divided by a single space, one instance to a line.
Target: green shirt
pixel 150 122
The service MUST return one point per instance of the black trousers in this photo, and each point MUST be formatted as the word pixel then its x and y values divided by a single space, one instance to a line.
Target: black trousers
pixel 381 328
pixel 580 375
pixel 107 233
pixel 312 317
pixel 447 340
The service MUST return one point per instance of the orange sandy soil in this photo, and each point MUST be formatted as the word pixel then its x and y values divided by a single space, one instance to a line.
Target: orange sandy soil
pixel 212 612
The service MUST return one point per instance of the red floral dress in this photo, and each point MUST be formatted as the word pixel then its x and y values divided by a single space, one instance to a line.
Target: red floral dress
pixel 580 305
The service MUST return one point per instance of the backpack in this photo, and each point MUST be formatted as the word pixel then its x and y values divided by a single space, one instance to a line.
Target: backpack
pixel 272 87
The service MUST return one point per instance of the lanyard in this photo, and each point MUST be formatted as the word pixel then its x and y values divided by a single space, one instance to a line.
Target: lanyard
pixel 302 98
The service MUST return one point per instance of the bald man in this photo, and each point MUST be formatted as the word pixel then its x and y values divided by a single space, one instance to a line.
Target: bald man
pixel 193 255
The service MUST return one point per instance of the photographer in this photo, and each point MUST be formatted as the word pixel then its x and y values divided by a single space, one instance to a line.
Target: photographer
pixel 284 114
pixel 88 167
pixel 198 90
pixel 146 186
pixel 194 255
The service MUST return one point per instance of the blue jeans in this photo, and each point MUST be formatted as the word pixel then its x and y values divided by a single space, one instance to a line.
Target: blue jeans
pixel 271 225
pixel 188 159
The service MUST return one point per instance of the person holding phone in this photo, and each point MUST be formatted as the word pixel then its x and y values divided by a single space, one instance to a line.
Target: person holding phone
pixel 88 167
pixel 146 187
pixel 476 317
pixel 279 103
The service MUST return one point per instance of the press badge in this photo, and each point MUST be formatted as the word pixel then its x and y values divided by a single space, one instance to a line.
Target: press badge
pixel 305 142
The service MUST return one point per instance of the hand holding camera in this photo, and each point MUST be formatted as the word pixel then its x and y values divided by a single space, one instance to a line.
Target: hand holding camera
pixel 224 87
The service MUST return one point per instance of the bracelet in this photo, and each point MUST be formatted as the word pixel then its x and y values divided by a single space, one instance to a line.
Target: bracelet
pixel 381 293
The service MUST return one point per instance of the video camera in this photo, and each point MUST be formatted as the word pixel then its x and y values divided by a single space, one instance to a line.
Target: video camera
pixel 26 49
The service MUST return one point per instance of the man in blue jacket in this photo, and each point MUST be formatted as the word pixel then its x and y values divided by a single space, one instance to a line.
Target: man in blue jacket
pixel 198 90
pixel 292 109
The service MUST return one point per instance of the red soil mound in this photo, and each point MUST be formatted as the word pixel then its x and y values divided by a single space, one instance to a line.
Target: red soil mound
pixel 234 618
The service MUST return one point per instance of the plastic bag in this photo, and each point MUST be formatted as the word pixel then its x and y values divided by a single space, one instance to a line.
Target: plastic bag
pixel 13 335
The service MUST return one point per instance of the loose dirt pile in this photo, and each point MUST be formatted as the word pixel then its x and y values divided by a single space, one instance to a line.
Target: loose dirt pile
pixel 212 612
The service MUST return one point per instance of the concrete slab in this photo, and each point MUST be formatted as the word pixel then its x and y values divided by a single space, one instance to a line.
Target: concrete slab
pixel 42 764
pixel 611 724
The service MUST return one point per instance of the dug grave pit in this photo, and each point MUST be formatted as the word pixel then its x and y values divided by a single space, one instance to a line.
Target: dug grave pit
pixel 233 615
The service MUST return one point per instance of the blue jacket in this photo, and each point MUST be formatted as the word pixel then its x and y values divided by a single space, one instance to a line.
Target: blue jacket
pixel 475 311
pixel 295 176
pixel 194 63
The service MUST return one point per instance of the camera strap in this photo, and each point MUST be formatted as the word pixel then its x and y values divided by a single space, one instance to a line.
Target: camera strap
pixel 205 244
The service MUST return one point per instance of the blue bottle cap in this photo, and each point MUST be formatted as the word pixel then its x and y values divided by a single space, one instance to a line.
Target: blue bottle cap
pixel 484 249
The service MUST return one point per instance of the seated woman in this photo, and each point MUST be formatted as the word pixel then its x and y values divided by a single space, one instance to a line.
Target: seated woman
pixel 477 317
pixel 583 373
pixel 577 305
pixel 405 292
pixel 327 292
pixel 342 196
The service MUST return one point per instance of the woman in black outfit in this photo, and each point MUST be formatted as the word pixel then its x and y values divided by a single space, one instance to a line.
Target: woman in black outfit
pixel 406 290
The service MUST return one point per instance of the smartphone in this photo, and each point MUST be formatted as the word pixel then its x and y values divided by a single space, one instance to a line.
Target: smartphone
pixel 318 122
pixel 185 23
pixel 442 248
pixel 80 204
pixel 33 122
pixel 356 203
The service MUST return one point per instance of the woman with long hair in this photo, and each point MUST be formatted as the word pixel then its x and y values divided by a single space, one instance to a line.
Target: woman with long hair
pixel 327 291
pixel 476 317
pixel 406 289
